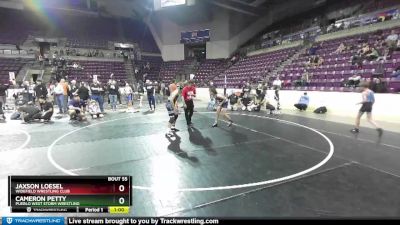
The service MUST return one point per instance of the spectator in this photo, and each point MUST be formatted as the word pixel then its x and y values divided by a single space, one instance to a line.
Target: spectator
pixel 365 50
pixel 72 89
pixel 47 110
pixel 150 95
pixel 396 73
pixel 3 94
pixel 392 39
pixel 75 108
pixel 379 71
pixel 378 86
pixel 313 49
pixel 246 89
pixel 340 49
pixel 319 61
pixel 374 54
pixel 113 92
pixel 59 96
pixel 94 110
pixel 303 81
pixel 357 59
pixel 259 99
pixel 233 100
pixel 303 102
pixel 65 94
pixel 308 62
pixel 41 93
pixel 2 116
pixel 96 89
pixel 158 89
pixel 127 91
pixel 83 93
pixel 386 56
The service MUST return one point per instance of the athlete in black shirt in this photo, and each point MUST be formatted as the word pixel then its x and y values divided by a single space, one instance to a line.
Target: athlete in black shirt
pixel 150 95
pixel 40 92
pixel 47 110
pixel 29 113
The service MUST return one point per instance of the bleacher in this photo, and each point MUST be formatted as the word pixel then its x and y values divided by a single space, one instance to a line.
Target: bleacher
pixel 155 66
pixel 206 69
pixel 169 70
pixel 10 65
pixel 338 67
pixel 253 68
pixel 101 68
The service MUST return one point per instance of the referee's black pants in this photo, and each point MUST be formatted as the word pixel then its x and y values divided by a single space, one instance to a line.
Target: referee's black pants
pixel 189 111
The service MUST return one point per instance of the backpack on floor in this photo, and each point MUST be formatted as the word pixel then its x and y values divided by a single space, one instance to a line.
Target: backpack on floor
pixel 15 116
pixel 321 110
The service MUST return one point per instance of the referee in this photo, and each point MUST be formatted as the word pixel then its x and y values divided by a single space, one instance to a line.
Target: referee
pixel 188 93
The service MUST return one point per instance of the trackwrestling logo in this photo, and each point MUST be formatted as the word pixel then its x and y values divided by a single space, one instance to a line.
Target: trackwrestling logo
pixel 33 220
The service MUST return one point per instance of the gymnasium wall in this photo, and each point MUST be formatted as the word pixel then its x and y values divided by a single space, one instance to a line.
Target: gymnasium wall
pixel 386 108
pixel 173 52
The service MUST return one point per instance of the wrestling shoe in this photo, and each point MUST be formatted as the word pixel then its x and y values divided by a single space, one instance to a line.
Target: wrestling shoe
pixel 174 129
pixel 169 134
pixel 355 130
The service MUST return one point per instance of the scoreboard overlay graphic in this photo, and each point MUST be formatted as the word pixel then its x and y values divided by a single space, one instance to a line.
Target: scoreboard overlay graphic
pixel 86 194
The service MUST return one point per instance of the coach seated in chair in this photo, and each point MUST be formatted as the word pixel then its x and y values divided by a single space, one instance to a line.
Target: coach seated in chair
pixel 259 99
pixel 303 102
pixel 75 108
pixel 246 102
pixel 234 101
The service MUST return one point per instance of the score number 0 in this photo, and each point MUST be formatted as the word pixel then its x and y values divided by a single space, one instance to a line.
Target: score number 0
pixel 121 200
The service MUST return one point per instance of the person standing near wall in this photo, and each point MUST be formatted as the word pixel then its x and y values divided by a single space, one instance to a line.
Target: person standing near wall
pixel 41 93
pixel 59 96
pixel 3 94
pixel 113 94
pixel 157 92
pixel 96 90
pixel 277 85
pixel 73 88
pixel 150 95
pixel 83 93
pixel 65 94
